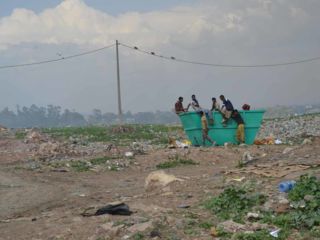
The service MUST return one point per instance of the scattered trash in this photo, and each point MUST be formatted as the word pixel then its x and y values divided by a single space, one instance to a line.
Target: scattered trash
pixel 129 154
pixel 117 208
pixel 277 141
pixel 306 141
pixel 184 206
pixel 246 157
pixel 178 144
pixel 265 141
pixel 286 186
pixel 214 232
pixel 159 178
pixel 275 233
pixel 232 227
pixel 253 216
pixel 287 150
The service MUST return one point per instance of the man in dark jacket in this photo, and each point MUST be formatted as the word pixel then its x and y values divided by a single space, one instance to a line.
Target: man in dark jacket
pixel 226 109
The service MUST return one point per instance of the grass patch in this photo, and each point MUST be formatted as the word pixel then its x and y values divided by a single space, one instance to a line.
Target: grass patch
pixel 234 203
pixel 20 135
pixel 176 163
pixel 156 134
pixel 101 160
pixel 80 166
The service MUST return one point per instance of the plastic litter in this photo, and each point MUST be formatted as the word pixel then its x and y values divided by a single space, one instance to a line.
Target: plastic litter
pixel 275 233
pixel 286 186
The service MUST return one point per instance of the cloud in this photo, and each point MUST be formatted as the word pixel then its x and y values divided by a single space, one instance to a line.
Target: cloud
pixel 220 31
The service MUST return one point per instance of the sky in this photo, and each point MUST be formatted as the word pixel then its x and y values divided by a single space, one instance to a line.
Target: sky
pixel 235 32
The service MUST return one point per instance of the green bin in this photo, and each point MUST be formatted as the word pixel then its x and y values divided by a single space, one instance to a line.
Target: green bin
pixel 191 122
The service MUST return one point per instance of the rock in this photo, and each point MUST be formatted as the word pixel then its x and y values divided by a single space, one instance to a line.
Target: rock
pixel 306 141
pixel 287 150
pixel 232 227
pixel 140 227
pixel 111 230
pixel 214 232
pixel 308 198
pixel 253 216
pixel 159 179
pixel 246 157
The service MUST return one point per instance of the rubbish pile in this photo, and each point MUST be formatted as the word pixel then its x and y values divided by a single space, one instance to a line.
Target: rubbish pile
pixel 290 129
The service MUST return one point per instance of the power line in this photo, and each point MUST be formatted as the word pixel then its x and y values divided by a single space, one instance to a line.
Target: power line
pixel 56 59
pixel 221 65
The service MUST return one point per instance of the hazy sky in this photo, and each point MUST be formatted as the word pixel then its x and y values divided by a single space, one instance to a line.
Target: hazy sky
pixel 236 32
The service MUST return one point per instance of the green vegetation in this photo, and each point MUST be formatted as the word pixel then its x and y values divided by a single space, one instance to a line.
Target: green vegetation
pixel 176 163
pixel 138 236
pixel 101 160
pixel 234 203
pixel 302 220
pixel 20 135
pixel 121 135
pixel 80 166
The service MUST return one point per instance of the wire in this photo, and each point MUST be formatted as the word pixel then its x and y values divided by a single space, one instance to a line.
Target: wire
pixel 57 59
pixel 221 65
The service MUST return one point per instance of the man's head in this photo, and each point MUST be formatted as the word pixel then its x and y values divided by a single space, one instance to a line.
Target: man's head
pixel 214 99
pixel 201 113
pixel 180 99
pixel 193 96
pixel 222 98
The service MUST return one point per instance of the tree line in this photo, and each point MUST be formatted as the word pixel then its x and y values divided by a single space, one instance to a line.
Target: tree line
pixel 55 116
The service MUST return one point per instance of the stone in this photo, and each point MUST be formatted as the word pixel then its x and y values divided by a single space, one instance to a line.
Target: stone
pixel 287 150
pixel 159 179
pixel 232 227
pixel 307 141
pixel 140 227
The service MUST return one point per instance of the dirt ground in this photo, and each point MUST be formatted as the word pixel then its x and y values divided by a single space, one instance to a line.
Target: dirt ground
pixel 39 202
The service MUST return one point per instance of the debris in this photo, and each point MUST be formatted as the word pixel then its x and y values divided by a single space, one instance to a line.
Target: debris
pixel 232 227
pixel 140 227
pixel 277 142
pixel 155 234
pixel 160 178
pixel 117 208
pixel 238 179
pixel 306 141
pixel 129 154
pixel 275 233
pixel 214 232
pixel 253 216
pixel 184 206
pixel 246 157
pixel 287 150
pixel 286 186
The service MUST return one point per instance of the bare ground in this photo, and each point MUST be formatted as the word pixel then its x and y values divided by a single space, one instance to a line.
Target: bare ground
pixel 42 203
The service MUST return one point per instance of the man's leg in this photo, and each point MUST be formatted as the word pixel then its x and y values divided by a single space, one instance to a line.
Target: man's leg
pixel 242 138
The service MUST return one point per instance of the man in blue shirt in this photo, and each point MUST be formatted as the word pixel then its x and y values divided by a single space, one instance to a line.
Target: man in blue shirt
pixel 226 110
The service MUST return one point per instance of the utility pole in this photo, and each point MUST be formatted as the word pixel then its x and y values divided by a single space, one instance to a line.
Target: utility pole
pixel 118 84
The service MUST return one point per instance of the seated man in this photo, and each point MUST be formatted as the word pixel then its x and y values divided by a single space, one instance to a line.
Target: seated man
pixel 195 104
pixel 226 109
pixel 240 130
pixel 178 107
pixel 215 105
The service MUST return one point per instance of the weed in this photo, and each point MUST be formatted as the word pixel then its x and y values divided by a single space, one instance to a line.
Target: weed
pixel 20 135
pixel 101 160
pixel 80 166
pixel 175 162
pixel 205 225
pixel 138 236
pixel 233 203
pixel 156 134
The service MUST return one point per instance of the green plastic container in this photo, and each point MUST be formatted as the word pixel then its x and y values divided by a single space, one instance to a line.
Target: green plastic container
pixel 191 122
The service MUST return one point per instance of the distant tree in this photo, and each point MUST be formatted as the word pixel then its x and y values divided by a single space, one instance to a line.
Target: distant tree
pixel 8 118
pixel 73 118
